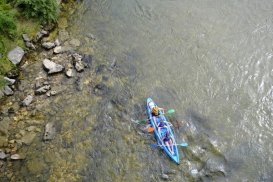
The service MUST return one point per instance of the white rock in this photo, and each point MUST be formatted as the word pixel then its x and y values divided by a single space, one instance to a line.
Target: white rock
pixel 16 55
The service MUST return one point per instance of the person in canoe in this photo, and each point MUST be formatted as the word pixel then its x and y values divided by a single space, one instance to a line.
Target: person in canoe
pixel 167 140
pixel 155 109
pixel 161 124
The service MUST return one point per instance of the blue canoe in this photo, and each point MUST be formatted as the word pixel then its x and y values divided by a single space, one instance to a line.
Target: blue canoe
pixel 173 154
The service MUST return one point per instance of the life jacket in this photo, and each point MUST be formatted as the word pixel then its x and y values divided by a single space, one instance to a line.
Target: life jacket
pixel 155 111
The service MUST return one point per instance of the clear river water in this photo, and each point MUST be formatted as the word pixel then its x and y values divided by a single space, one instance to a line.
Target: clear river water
pixel 210 60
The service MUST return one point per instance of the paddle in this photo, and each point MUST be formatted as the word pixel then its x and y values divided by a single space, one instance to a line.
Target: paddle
pixel 183 144
pixel 170 111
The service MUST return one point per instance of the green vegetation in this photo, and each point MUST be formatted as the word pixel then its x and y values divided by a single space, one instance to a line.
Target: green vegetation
pixel 18 17
pixel 44 10
pixel 7 24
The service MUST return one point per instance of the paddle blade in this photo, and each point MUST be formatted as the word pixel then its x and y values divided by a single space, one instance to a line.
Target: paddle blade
pixel 142 122
pixel 170 111
pixel 184 144
pixel 150 129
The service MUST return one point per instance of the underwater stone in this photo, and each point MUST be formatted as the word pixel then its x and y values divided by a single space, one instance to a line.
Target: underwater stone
pixel 28 138
pixel 50 131
pixel 52 67
pixel 17 157
pixel 27 100
pixel 42 89
pixel 70 73
pixel 2 155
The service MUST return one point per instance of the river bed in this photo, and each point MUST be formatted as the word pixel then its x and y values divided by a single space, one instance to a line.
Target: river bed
pixel 208 60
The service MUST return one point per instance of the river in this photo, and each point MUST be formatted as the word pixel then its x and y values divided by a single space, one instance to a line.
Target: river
pixel 209 60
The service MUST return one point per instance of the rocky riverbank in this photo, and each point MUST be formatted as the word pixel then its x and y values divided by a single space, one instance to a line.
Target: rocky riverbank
pixel 21 123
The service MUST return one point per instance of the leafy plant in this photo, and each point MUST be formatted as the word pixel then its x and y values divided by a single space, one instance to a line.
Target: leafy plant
pixel 7 24
pixel 44 10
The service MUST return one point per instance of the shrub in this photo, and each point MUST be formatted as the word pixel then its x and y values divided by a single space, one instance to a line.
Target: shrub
pixel 44 10
pixel 7 24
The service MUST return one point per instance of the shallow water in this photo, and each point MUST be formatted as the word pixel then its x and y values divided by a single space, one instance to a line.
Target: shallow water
pixel 212 58
pixel 209 60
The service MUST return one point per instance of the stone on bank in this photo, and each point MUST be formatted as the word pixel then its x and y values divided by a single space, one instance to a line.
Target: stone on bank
pixel 16 55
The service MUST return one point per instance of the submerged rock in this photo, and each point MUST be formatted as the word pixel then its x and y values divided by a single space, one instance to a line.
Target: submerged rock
pixel 50 131
pixel 79 84
pixel 17 156
pixel 101 69
pixel 78 63
pixel 8 91
pixel 100 89
pixel 87 59
pixel 42 90
pixel 16 55
pixel 75 42
pixel 215 167
pixel 27 100
pixel 4 125
pixel 28 138
pixel 164 176
pixel 52 67
pixel 70 73
pixel 2 155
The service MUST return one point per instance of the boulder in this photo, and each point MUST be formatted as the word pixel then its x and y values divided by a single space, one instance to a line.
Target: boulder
pixel 9 80
pixel 26 38
pixel 40 35
pixel 27 100
pixel 50 131
pixel 57 42
pixel 70 73
pixel 48 45
pixel 16 55
pixel 17 156
pixel 7 91
pixel 79 66
pixel 42 90
pixel 2 155
pixel 30 45
pixel 52 67
pixel 28 138
pixel 59 49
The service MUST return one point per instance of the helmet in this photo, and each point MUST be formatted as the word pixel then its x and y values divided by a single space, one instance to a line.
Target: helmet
pixel 155 110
